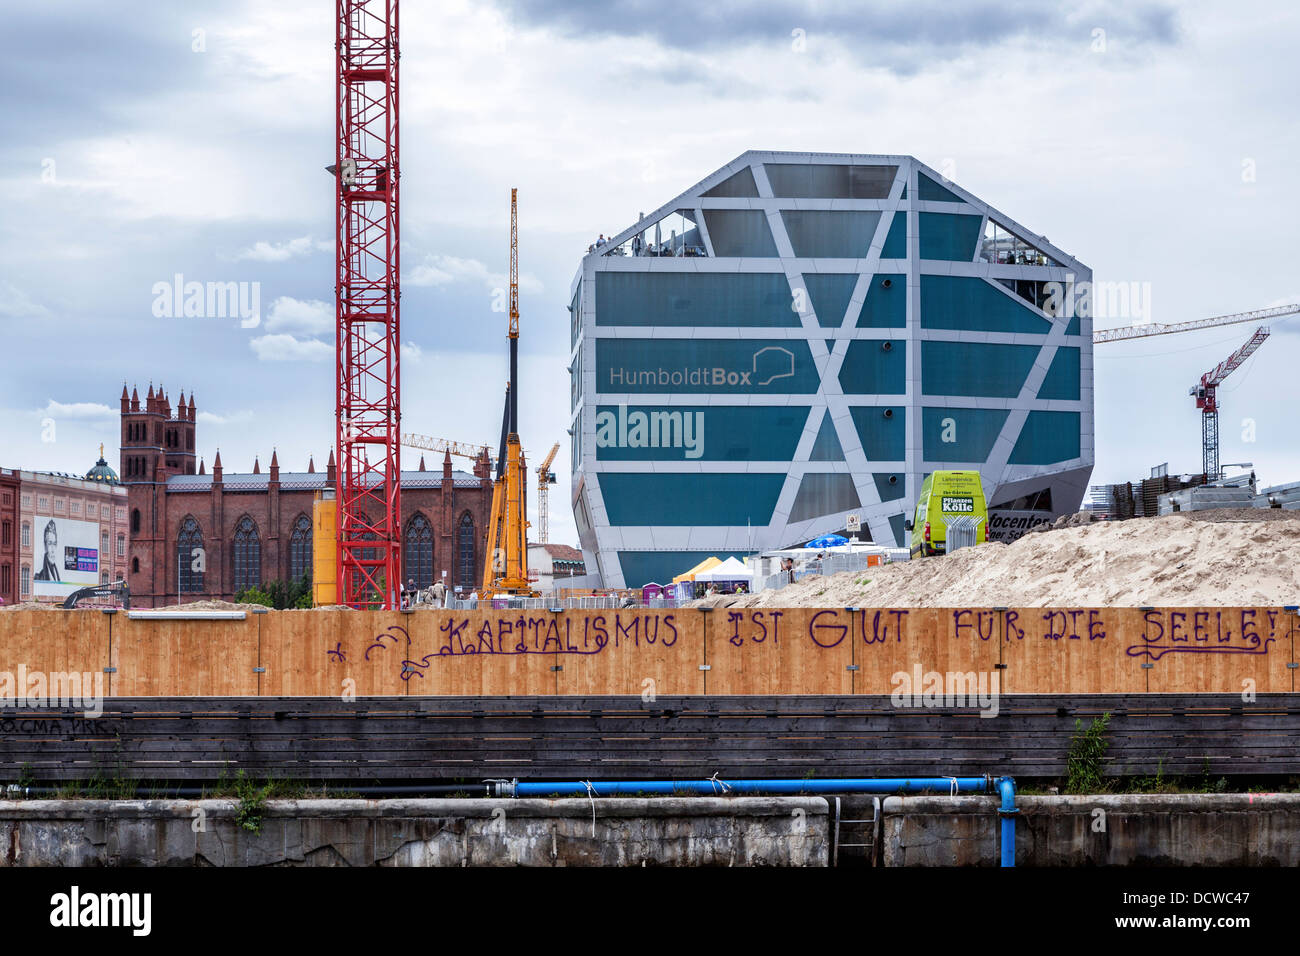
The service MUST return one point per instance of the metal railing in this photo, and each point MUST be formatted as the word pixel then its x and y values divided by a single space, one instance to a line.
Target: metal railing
pixel 961 533
pixel 831 564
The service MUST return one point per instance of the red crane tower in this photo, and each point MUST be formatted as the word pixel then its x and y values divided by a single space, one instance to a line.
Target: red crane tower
pixel 1206 395
pixel 367 173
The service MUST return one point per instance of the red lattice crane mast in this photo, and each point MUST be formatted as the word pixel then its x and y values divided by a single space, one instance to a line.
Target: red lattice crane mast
pixel 1207 400
pixel 367 173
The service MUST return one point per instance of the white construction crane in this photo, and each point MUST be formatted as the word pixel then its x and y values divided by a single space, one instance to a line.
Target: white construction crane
pixel 463 449
pixel 1164 328
pixel 1205 392
pixel 545 478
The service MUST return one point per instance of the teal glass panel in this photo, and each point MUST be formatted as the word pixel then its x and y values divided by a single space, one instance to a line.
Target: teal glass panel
pixel 739 232
pixel 890 486
pixel 969 303
pixel 896 240
pixel 699 432
pixel 745 299
pixel 886 304
pixel 824 494
pixel 874 367
pixel 682 500
pixel 927 188
pixel 829 181
pixel 1062 379
pixel 739 185
pixel 829 295
pixel 948 236
pixel 896 525
pixel 958 435
pixel 882 430
pixel 975 368
pixel 1047 438
pixel 830 234
pixel 660 567
pixel 827 446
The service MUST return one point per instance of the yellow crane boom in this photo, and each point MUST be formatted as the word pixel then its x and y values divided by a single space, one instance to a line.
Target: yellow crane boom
pixel 545 478
pixel 506 570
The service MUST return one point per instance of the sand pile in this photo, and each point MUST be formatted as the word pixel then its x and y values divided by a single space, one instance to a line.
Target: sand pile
pixel 1224 558
pixel 192 606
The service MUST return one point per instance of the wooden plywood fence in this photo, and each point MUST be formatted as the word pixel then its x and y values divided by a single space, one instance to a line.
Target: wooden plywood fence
pixel 761 651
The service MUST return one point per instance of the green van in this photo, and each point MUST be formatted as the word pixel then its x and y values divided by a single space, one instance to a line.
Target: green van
pixel 952 494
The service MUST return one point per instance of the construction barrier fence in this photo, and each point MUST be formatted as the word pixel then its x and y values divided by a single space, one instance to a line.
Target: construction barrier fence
pixel 920 654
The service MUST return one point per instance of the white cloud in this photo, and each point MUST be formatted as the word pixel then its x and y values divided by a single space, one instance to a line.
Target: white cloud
pixel 286 348
pixel 312 316
pixel 16 304
pixel 412 352
pixel 437 270
pixel 211 418
pixel 263 251
pixel 81 410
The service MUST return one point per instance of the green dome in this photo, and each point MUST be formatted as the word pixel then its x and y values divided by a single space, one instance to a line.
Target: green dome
pixel 101 471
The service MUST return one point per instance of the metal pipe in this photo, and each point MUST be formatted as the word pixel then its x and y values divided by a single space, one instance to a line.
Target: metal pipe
pixel 716 787
pixel 14 791
pixel 1007 788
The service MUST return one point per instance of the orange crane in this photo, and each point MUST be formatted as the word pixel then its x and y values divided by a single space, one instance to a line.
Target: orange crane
pixel 545 478
pixel 505 573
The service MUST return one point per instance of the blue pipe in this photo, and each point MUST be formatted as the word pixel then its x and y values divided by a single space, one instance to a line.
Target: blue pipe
pixel 1007 788
pixel 604 788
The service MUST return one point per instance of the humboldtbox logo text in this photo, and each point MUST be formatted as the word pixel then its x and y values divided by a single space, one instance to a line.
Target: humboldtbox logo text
pixel 768 364
pixel 658 428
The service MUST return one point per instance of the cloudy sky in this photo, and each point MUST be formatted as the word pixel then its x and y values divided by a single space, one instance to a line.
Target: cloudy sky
pixel 1153 141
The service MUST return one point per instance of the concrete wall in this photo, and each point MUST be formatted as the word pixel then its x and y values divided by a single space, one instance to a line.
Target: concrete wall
pixel 696 831
pixel 1157 830
pixel 1111 830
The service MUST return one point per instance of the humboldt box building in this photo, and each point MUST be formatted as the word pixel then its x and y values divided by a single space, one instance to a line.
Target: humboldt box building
pixel 803 337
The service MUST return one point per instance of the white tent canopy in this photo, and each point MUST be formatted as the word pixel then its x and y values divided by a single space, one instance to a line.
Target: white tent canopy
pixel 729 570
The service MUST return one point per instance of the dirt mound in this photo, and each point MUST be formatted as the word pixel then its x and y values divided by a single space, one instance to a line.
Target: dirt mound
pixel 1246 557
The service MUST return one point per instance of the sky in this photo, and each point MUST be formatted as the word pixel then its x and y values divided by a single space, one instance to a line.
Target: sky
pixel 1153 141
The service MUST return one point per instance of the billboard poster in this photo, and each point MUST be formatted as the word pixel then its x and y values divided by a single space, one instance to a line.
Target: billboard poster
pixel 67 556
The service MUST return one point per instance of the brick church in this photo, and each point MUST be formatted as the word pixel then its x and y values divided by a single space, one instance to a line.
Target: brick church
pixel 257 527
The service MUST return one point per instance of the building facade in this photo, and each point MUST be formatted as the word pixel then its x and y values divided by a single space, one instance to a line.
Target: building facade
pixel 199 536
pixel 552 566
pixel 803 337
pixel 9 561
pixel 78 519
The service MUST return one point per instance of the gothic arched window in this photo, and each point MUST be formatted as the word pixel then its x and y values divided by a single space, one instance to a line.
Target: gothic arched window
pixel 190 558
pixel 465 565
pixel 418 543
pixel 300 548
pixel 248 555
